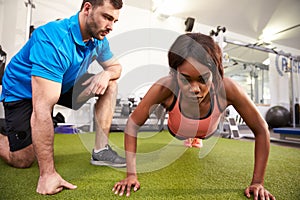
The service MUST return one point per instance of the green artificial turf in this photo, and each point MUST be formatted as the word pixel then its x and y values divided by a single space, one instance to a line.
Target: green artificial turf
pixel 175 172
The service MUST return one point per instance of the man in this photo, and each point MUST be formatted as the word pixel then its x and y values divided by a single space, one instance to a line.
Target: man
pixel 44 73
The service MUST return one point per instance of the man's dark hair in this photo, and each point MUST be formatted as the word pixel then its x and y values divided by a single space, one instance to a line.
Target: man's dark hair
pixel 117 4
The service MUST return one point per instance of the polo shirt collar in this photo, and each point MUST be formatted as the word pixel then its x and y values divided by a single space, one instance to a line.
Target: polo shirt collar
pixel 75 29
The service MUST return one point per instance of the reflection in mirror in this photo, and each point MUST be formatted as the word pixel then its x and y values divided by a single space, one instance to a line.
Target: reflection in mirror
pixel 247 67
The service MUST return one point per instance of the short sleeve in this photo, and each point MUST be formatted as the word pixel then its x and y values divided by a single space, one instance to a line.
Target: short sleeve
pixel 103 51
pixel 47 61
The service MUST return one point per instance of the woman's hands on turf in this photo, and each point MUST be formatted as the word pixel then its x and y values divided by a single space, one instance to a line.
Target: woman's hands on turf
pixel 126 185
pixel 258 191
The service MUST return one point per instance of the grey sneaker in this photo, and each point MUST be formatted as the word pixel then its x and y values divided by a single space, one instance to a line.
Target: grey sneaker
pixel 107 157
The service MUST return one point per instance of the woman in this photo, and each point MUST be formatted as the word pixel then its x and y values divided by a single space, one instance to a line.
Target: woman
pixel 195 95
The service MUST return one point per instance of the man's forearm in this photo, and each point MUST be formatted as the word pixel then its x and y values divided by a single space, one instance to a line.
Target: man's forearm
pixel 114 71
pixel 42 140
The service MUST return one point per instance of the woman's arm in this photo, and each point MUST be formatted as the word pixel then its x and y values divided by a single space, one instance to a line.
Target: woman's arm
pixel 157 94
pixel 246 108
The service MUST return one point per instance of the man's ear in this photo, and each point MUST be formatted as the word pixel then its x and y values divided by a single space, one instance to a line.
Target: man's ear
pixel 87 7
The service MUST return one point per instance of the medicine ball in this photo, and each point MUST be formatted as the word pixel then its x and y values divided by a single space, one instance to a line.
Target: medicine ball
pixel 278 116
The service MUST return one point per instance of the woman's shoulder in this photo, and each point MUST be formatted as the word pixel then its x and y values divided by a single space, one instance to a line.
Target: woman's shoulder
pixel 164 89
pixel 165 84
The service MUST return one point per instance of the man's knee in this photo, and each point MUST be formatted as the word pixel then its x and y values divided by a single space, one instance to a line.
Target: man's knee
pixel 22 164
pixel 112 87
pixel 23 158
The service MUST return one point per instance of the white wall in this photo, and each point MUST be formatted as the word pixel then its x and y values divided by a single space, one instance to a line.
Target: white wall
pixel 1 17
pixel 12 26
pixel 140 40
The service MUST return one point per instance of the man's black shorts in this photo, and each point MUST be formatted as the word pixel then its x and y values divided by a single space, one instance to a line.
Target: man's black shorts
pixel 18 114
pixel 17 118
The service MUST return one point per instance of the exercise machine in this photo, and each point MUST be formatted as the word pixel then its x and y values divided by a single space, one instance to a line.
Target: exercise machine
pixel 2 63
pixel 124 107
pixel 29 28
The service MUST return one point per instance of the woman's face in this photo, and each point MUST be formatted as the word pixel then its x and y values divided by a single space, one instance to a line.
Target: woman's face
pixel 194 80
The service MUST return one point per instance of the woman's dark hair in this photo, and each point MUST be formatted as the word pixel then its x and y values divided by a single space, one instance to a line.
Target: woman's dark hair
pixel 200 47
pixel 117 4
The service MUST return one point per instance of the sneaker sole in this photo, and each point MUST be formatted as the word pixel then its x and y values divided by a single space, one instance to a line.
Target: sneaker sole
pixel 105 163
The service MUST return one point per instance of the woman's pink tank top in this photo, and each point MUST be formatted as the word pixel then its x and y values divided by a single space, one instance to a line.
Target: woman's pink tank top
pixel 183 127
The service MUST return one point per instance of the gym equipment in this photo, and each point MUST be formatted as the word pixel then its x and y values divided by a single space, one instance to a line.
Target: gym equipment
pixel 2 63
pixel 29 4
pixel 297 113
pixel 2 53
pixel 234 129
pixel 287 132
pixel 66 129
pixel 229 126
pixel 124 107
pixel 59 118
pixel 216 32
pixel 278 116
pixel 31 29
pixel 292 69
pixel 189 24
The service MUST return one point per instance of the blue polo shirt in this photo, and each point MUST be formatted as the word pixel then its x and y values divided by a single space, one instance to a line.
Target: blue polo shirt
pixel 55 52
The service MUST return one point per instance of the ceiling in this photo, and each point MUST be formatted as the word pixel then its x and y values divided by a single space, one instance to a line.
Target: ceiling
pixel 246 17
pixel 281 18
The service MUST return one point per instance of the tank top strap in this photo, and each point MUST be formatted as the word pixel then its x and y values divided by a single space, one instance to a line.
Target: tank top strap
pixel 176 92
